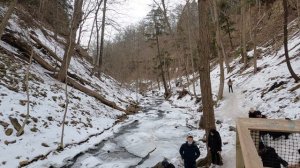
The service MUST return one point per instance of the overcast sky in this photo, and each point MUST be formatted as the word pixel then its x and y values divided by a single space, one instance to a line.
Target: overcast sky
pixel 130 12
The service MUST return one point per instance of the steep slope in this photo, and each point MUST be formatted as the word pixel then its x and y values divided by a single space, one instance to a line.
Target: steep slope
pixel 86 117
pixel 250 90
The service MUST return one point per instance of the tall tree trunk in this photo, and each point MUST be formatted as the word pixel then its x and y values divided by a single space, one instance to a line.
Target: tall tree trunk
pixel 92 32
pixel 229 33
pixel 190 49
pixel 7 15
pixel 244 51
pixel 158 83
pixel 221 60
pixel 21 131
pixel 204 67
pixel 226 59
pixel 298 12
pixel 76 19
pixel 204 55
pixel 166 16
pixel 169 76
pixel 285 42
pixel 79 34
pixel 102 39
pixel 255 52
pixel 187 72
pixel 41 9
pixel 97 39
pixel 63 73
pixel 161 66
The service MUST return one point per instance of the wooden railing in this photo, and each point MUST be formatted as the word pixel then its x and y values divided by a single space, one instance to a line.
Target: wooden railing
pixel 246 150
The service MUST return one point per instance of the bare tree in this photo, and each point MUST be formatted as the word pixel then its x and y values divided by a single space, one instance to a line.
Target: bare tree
pixel 7 15
pixel 285 42
pixel 204 55
pixel 89 8
pixel 219 50
pixel 67 57
pixel 204 66
pixel 70 49
pixel 244 50
pixel 190 48
pixel 21 131
pixel 100 59
pixel 159 55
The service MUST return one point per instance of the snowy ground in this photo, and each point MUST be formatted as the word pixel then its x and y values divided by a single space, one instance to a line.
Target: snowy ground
pixel 248 89
pixel 161 127
pixel 86 116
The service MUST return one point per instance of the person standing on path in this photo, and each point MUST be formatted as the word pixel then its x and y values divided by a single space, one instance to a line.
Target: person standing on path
pixel 189 152
pixel 230 83
pixel 215 147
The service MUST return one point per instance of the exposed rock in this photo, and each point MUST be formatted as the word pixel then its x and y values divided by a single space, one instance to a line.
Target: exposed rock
pixel 198 100
pixel 54 98
pixel 73 122
pixel 13 88
pixel 182 93
pixel 132 108
pixel 50 118
pixel 15 123
pixel 232 128
pixel 219 122
pixel 23 163
pixel 62 105
pixel 9 142
pixel 4 124
pixel 9 131
pixel 34 129
pixel 44 94
pixel 34 119
pixel 23 102
pixel 45 145
pixel 23 115
pixel 297 99
pixel 200 109
pixel 2 66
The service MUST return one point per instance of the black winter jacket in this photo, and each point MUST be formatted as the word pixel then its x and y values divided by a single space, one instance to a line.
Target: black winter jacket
pixel 189 152
pixel 215 142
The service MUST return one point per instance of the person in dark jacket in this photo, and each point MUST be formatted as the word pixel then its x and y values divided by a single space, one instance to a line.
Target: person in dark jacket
pixel 230 83
pixel 270 158
pixel 189 152
pixel 252 113
pixel 215 147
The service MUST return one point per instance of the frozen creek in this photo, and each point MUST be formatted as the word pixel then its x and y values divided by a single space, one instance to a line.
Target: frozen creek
pixel 155 133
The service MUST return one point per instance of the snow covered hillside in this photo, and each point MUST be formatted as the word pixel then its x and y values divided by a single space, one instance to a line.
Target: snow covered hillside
pixel 250 90
pixel 86 117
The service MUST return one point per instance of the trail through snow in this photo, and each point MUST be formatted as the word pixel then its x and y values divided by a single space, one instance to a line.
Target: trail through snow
pixel 233 107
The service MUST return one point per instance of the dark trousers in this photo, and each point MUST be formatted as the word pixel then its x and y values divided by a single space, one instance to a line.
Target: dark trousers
pixel 189 164
pixel 230 88
pixel 215 158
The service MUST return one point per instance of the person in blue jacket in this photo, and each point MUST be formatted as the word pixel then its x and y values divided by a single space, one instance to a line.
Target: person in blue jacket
pixel 189 152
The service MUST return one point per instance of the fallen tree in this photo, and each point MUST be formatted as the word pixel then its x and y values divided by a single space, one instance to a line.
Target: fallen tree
pixel 49 51
pixel 92 93
pixel 25 49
